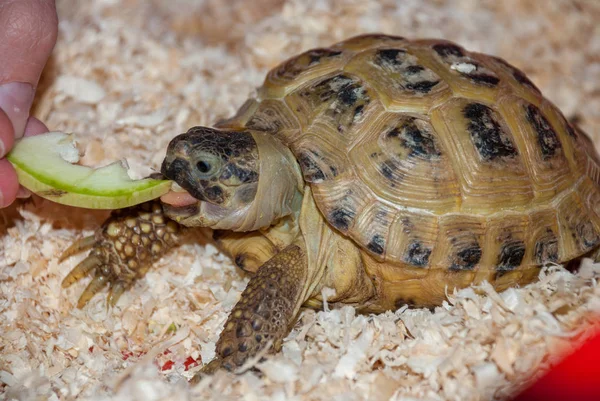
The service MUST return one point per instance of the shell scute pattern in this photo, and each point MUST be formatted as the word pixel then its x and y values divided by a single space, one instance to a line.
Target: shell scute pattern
pixel 485 154
pixel 548 168
pixel 403 160
pixel 400 79
pixel 461 64
pixel 307 66
pixel 432 157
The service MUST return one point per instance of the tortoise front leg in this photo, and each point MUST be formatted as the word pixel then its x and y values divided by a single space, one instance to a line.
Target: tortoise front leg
pixel 265 312
pixel 122 250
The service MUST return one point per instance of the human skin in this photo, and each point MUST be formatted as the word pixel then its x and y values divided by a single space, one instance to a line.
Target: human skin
pixel 28 30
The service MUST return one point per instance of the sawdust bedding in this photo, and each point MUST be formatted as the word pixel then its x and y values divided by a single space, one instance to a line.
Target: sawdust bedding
pixel 128 75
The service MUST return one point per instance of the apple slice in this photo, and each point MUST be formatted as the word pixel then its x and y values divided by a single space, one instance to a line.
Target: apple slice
pixel 44 165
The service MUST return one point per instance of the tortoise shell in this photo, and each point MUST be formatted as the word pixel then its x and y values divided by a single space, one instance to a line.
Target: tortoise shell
pixel 431 156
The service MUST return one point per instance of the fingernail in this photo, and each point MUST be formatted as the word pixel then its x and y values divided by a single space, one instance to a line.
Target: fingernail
pixel 15 100
pixel 23 193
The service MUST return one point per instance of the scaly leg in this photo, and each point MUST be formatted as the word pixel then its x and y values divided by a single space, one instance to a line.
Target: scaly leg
pixel 265 312
pixel 123 250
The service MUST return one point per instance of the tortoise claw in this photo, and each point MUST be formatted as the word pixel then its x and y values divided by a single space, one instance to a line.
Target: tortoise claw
pixel 81 270
pixel 116 290
pixel 97 283
pixel 78 246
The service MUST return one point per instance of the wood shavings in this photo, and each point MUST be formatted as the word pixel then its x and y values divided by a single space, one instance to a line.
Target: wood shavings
pixel 145 121
pixel 80 89
pixel 131 75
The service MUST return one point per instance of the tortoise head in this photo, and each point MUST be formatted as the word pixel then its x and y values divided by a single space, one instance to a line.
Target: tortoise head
pixel 220 170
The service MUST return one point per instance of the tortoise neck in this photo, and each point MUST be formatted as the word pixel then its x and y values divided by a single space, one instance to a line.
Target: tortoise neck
pixel 280 184
pixel 279 191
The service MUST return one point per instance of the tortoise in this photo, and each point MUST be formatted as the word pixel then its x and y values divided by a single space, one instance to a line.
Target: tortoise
pixel 390 170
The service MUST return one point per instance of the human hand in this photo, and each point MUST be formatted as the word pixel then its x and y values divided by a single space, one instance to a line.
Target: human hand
pixel 28 30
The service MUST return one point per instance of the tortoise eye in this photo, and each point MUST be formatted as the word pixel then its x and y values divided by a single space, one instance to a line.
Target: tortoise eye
pixel 203 166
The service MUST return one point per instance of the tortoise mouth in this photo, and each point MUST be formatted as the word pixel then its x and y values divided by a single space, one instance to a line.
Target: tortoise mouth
pixel 178 197
pixel 179 204
pixel 181 214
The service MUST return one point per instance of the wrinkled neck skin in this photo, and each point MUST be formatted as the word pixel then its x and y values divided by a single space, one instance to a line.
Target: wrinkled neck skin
pixel 279 192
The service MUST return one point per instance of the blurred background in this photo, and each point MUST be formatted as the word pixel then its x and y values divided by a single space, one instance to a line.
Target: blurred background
pixel 128 75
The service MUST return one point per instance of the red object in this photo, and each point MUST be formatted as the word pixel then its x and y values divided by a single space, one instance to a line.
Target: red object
pixel 190 363
pixel 168 365
pixel 126 355
pixel 576 378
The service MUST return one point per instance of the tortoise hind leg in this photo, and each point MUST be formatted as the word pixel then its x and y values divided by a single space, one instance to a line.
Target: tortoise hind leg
pixel 265 312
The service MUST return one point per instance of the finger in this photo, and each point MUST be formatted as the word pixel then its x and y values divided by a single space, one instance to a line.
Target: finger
pixel 23 193
pixel 8 183
pixel 6 135
pixel 28 30
pixel 35 127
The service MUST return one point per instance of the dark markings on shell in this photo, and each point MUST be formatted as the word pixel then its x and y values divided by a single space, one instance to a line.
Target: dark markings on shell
pixel 390 171
pixel 511 255
pixel 342 218
pixel 301 63
pixel 484 79
pixel 420 143
pixel 358 112
pixel 547 138
pixel 522 78
pixel 421 86
pixel 265 119
pixel 518 74
pixel 349 95
pixel 377 244
pixel 240 260
pixel 570 130
pixel 586 235
pixel 454 55
pixel 311 170
pixel 346 96
pixel 546 248
pixel 378 37
pixel 414 77
pixel 387 169
pixel 490 141
pixel 467 258
pixel 329 88
pixel 388 58
pixel 318 54
pixel 417 254
pixel 414 69
pixel 447 49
